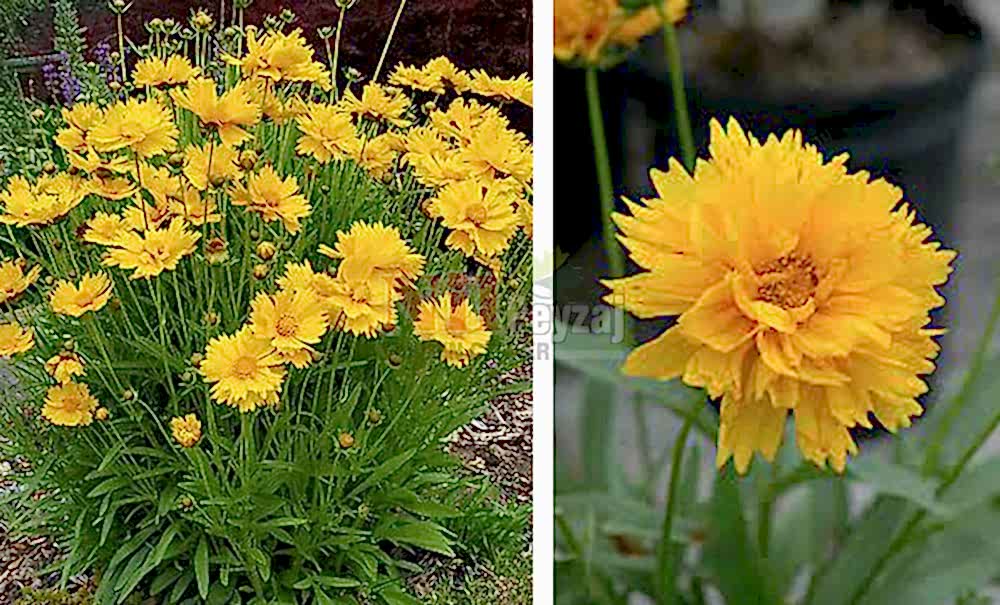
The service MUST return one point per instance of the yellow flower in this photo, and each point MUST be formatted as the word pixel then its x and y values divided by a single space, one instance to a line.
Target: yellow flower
pixel 154 71
pixel 585 30
pixel 327 133
pixel 445 71
pixel 69 404
pixel 153 252
pixel 494 150
pixel 14 339
pixel 224 164
pixel 462 332
pixel 363 307
pixel 274 198
pixel 460 121
pixel 435 77
pixel 244 369
pixel 41 203
pixel 378 104
pixel 300 277
pixel 92 294
pixel 186 430
pixel 195 209
pixel 147 217
pixel 377 154
pixel 291 321
pixel 375 252
pixel 144 127
pixel 280 111
pixel 104 174
pixel 280 57
pixel 64 366
pixel 434 161
pixel 481 216
pixel 105 229
pixel 102 414
pixel 526 214
pixel 514 89
pixel 160 183
pixel 80 120
pixel 14 281
pixel 228 114
pixel 799 287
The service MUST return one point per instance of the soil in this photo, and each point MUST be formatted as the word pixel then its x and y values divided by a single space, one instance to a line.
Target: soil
pixel 852 50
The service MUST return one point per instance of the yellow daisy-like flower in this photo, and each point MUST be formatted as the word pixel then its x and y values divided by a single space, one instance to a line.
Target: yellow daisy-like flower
pixel 153 71
pixel 280 111
pixel 378 104
pixel 327 133
pixel 69 404
pixel 228 114
pixel 14 281
pixel 92 294
pixel 146 217
pixel 300 277
pixel 799 287
pixel 105 179
pixel 145 128
pixel 363 307
pixel 224 160
pixel 186 430
pixel 280 57
pixel 274 198
pixel 41 203
pixel 481 216
pixel 195 209
pixel 152 252
pixel 495 150
pixel 64 366
pixel 244 370
pixel 80 120
pixel 375 252
pixel 159 182
pixel 15 340
pixel 105 229
pixel 376 155
pixel 460 329
pixel 459 121
pixel 584 30
pixel 518 89
pixel 290 320
pixel 448 74
pixel 435 77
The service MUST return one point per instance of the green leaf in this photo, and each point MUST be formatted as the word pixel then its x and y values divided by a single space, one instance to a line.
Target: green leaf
pixel 383 471
pixel 335 582
pixel 423 534
pixel 977 485
pixel 201 566
pixel 894 480
pixel 394 595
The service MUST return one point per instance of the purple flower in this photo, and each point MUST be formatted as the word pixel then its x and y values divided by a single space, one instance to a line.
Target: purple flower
pixel 60 81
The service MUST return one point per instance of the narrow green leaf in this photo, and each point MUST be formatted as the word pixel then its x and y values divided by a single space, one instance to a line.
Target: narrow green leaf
pixel 201 566
pixel 891 479
pixel 423 534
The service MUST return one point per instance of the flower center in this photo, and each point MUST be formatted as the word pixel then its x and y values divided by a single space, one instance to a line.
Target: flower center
pixel 287 326
pixel 789 281
pixel 456 325
pixel 476 213
pixel 133 131
pixel 245 367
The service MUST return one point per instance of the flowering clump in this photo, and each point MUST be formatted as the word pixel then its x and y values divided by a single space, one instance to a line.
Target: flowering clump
pixel 595 32
pixel 798 287
pixel 220 259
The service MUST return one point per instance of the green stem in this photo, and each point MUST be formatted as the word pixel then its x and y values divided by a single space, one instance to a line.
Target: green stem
pixel 666 555
pixel 336 52
pixel 388 41
pixel 121 49
pixel 673 55
pixel 616 260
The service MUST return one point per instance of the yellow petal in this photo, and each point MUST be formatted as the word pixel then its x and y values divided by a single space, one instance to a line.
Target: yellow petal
pixel 748 426
pixel 662 358
pixel 819 436
pixel 716 320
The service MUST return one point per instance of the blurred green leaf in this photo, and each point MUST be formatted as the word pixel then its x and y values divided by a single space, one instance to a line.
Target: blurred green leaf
pixel 891 479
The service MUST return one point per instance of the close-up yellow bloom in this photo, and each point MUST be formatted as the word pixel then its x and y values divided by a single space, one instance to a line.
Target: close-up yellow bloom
pixel 40 203
pixel 106 175
pixel 15 339
pixel 300 277
pixel 494 150
pixel 273 198
pixel 584 30
pixel 80 120
pixel 69 404
pixel 154 251
pixel 92 294
pixel 520 89
pixel 105 229
pixel 375 251
pixel 280 57
pixel 244 370
pixel 227 114
pixel 223 159
pixel 154 71
pixel 64 366
pixel 797 287
pixel 379 104
pixel 290 320
pixel 376 155
pixel 363 307
pixel 14 280
pixel 481 215
pixel 437 76
pixel 460 329
pixel 327 133
pixel 186 430
pixel 145 128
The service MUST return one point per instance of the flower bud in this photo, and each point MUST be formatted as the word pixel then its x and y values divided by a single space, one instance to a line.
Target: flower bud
pixel 395 360
pixel 102 414
pixel 186 503
pixel 211 318
pixel 260 271
pixel 114 86
pixel 38 114
pixel 196 359
pixel 266 251
pixel 346 440
pixel 128 395
pixel 49 168
pixel 176 159
pixel 248 159
pixel 374 416
pixel 216 251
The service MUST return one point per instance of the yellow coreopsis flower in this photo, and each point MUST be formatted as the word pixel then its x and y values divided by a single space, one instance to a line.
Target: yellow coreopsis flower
pixel 147 217
pixel 69 404
pixel 435 77
pixel 105 229
pixel 280 111
pixel 378 104
pixel 15 339
pixel 300 277
pixel 376 155
pixel 145 128
pixel 280 57
pixel 14 280
pixel 481 216
pixel 154 251
pixel 518 89
pixel 80 120
pixel 584 30
pixel 494 150
pixel 41 203
pixel 92 294
pixel 195 209
pixel 375 251
pixel 64 366
pixel 459 121
pixel 274 198
pixel 228 114
pixel 460 329
pixel 153 71
pixel 799 287
pixel 105 179
pixel 442 69
pixel 363 307
pixel 244 370
pixel 186 430
pixel 224 160
pixel 327 133
pixel 290 320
